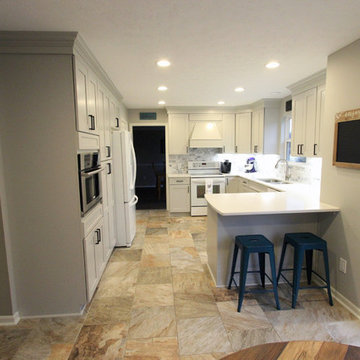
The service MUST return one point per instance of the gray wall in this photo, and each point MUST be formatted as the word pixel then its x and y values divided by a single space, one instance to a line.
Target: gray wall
pixel 38 145
pixel 341 186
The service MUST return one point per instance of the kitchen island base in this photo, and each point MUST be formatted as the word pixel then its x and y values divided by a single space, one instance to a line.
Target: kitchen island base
pixel 221 232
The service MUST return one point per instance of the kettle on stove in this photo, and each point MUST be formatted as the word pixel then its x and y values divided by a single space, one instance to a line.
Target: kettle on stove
pixel 225 167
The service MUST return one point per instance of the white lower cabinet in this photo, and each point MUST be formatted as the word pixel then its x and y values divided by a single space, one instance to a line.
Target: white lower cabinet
pixel 179 194
pixel 94 257
pixel 232 184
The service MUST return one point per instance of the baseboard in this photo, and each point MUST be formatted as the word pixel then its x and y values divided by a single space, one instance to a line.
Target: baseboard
pixel 9 320
pixel 346 303
pixel 52 315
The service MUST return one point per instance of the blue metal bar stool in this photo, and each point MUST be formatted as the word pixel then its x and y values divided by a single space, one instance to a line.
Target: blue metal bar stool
pixel 304 244
pixel 253 244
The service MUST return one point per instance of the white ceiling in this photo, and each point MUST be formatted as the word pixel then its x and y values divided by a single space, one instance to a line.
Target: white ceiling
pixel 214 45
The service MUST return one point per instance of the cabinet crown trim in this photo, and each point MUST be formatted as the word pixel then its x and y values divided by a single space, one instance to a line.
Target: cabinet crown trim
pixel 308 83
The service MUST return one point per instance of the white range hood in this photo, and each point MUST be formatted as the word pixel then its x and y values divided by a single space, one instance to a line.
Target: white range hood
pixel 206 134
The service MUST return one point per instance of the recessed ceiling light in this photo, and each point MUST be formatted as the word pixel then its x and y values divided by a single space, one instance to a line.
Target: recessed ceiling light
pixel 272 65
pixel 162 88
pixel 163 63
pixel 239 89
pixel 161 102
pixel 221 102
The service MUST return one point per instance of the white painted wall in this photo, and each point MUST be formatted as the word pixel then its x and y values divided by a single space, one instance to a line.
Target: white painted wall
pixel 341 186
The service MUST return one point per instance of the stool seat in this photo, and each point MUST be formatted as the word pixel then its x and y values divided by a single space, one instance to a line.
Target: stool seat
pixel 304 243
pixel 306 240
pixel 253 244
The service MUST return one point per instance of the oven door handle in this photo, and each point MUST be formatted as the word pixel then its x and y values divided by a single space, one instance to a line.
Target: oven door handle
pixel 87 174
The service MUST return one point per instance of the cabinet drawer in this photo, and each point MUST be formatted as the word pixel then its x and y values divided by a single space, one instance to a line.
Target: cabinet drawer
pixel 92 218
pixel 179 181
pixel 88 141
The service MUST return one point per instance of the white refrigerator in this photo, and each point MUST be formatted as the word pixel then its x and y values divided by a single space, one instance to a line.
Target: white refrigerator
pixel 124 167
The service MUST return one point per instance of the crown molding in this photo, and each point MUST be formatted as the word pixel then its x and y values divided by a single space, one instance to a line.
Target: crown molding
pixel 56 43
pixel 308 83
pixel 36 42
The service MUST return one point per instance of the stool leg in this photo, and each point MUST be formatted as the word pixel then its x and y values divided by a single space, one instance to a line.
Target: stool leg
pixel 281 260
pixel 298 260
pixel 262 268
pixel 327 275
pixel 236 250
pixel 243 273
pixel 273 277
pixel 309 261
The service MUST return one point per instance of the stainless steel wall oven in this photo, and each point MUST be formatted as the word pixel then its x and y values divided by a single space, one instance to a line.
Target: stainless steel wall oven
pixel 89 180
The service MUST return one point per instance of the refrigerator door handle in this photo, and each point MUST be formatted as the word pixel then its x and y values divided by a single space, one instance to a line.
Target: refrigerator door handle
pixel 134 201
pixel 134 169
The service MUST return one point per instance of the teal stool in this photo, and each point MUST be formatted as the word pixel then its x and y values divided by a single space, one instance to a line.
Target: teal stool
pixel 304 244
pixel 253 244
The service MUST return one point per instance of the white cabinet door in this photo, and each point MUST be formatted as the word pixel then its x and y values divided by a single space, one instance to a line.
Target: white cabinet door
pixel 107 127
pixel 90 265
pixel 99 249
pixel 112 233
pixel 304 119
pixel 81 79
pixel 179 198
pixel 229 133
pixel 257 131
pixel 320 111
pixel 106 236
pixel 243 133
pixel 100 120
pixel 178 134
pixel 91 89
pixel 232 184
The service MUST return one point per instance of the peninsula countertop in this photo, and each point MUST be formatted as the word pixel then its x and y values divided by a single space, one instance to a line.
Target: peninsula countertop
pixel 266 203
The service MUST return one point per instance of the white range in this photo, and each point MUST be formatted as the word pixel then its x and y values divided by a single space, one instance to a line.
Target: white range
pixel 205 178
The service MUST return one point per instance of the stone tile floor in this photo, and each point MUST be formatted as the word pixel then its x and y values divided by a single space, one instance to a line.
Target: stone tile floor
pixel 156 300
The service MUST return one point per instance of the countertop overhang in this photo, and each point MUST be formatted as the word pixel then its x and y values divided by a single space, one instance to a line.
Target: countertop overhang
pixel 266 203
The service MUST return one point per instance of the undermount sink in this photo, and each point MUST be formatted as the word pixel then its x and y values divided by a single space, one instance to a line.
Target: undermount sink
pixel 275 181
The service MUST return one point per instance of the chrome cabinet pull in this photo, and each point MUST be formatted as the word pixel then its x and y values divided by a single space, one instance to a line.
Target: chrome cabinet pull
pixel 98 236
pixel 109 168
pixel 117 122
pixel 236 148
pixel 315 149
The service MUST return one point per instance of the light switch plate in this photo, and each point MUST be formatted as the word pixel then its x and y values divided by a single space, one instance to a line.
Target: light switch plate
pixel 342 265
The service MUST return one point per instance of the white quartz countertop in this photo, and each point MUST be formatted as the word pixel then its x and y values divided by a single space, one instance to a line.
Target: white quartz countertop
pixel 266 203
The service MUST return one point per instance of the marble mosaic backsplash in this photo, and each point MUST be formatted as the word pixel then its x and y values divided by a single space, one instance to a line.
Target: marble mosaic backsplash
pixel 306 173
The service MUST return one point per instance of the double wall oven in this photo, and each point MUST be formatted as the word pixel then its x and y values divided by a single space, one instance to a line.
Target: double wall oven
pixel 205 177
pixel 89 180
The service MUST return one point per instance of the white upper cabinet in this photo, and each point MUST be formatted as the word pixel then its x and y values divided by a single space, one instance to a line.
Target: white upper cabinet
pixel 304 123
pixel 178 134
pixel 86 89
pixel 229 133
pixel 243 133
pixel 308 102
pixel 257 131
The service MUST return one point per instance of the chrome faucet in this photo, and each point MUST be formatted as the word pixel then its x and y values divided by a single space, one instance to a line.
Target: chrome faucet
pixel 287 174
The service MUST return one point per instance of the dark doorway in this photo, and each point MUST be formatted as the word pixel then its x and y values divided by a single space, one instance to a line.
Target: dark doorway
pixel 150 187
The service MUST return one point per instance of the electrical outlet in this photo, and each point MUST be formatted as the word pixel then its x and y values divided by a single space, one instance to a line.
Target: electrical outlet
pixel 342 265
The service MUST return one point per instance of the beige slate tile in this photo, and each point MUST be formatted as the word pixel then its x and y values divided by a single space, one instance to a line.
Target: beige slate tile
pixel 213 356
pixel 155 275
pixel 109 310
pixel 10 341
pixel 60 352
pixel 152 349
pixel 115 287
pixel 155 248
pixel 126 255
pixel 202 335
pixel 153 295
pixel 156 231
pixel 125 270
pixel 100 342
pixel 191 283
pixel 195 305
pixel 155 260
pixel 150 322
